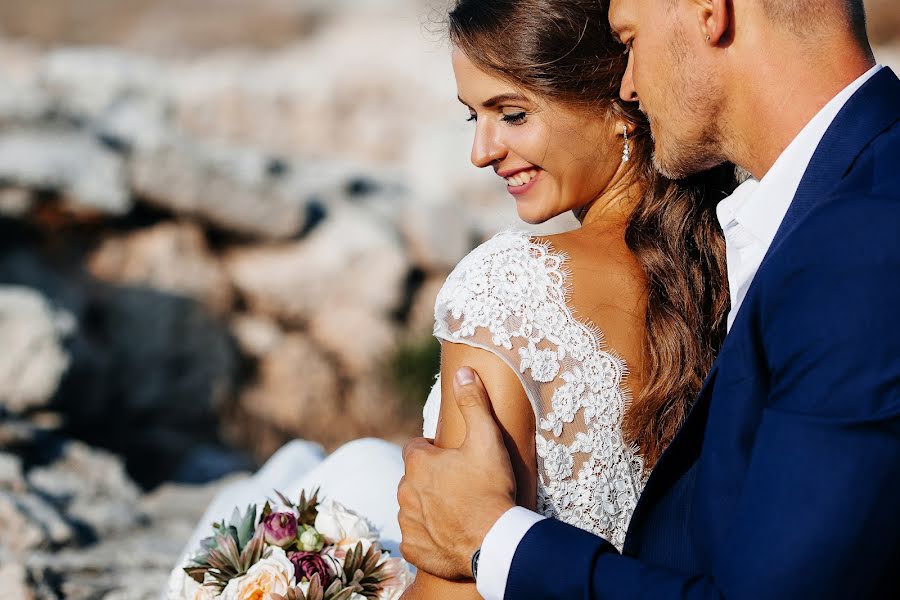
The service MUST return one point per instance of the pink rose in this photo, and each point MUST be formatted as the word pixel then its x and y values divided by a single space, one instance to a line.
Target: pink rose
pixel 280 529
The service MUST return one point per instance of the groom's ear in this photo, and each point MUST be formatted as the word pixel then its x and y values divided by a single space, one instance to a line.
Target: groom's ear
pixel 714 19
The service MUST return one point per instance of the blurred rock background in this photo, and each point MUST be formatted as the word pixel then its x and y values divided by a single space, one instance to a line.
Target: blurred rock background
pixel 222 226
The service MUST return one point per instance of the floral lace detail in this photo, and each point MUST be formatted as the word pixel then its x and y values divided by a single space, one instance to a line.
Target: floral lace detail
pixel 509 296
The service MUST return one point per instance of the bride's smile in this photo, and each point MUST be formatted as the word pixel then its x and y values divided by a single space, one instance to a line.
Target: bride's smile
pixel 520 181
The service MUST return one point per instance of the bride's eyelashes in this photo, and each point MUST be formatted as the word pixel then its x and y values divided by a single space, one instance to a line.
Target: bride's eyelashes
pixel 516 118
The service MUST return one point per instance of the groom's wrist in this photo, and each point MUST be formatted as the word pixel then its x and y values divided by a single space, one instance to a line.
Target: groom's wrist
pixel 488 517
pixel 499 547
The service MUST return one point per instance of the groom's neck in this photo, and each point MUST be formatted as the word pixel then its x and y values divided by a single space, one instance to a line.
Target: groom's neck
pixel 777 93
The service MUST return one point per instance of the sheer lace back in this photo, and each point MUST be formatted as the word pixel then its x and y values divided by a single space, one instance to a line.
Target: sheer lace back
pixel 510 297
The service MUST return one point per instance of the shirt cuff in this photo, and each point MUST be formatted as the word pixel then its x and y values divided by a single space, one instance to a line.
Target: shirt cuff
pixel 499 548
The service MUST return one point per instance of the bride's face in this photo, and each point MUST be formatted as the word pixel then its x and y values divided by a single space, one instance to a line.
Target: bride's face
pixel 553 159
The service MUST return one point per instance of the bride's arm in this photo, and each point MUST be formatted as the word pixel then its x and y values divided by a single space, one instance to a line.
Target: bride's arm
pixel 516 417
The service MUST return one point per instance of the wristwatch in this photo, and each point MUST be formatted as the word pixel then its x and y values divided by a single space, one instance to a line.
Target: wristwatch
pixel 475 558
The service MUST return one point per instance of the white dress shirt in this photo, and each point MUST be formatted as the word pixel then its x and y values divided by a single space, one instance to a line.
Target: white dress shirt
pixel 750 217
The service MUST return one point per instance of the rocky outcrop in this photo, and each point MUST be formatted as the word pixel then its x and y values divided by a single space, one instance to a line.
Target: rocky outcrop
pixel 171 257
pixel 214 184
pixel 33 359
pixel 74 165
pixel 351 257
pixel 80 529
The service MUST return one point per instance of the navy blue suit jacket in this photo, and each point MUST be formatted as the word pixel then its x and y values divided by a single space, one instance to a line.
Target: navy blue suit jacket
pixel 785 480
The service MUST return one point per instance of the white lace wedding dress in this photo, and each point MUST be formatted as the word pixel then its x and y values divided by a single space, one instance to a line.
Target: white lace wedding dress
pixel 509 297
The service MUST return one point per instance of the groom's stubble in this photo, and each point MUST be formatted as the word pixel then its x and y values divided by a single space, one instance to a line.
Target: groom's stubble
pixel 687 135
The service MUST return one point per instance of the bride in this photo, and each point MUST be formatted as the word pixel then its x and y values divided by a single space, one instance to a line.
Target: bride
pixel 591 343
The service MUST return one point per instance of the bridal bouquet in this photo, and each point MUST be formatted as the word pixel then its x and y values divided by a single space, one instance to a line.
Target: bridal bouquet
pixel 306 551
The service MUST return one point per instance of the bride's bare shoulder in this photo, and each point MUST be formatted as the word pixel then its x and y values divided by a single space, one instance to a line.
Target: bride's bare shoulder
pixel 598 261
pixel 608 287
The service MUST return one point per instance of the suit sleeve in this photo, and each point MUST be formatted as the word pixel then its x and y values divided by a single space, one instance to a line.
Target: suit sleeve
pixel 818 517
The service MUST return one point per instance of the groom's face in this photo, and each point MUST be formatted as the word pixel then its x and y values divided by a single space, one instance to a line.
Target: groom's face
pixel 667 75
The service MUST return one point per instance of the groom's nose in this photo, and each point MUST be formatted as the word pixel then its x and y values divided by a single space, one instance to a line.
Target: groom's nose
pixel 626 89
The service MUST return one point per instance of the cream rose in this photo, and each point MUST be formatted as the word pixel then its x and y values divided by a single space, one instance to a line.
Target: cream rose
pixel 272 575
pixel 206 592
pixel 341 526
pixel 399 578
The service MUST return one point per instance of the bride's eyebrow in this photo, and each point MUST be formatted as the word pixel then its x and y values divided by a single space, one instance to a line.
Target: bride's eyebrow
pixel 498 99
pixel 501 98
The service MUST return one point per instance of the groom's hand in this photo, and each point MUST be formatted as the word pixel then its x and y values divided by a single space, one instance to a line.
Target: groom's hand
pixel 450 498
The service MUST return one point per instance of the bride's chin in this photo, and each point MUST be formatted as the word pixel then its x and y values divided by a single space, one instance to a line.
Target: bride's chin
pixel 532 213
pixel 533 220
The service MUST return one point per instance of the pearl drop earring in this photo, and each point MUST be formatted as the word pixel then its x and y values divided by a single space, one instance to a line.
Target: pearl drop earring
pixel 626 152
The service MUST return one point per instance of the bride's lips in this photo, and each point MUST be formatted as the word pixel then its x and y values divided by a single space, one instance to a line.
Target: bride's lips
pixel 518 190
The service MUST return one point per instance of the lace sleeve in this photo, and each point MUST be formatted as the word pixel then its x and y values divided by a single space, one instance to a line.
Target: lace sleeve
pixel 509 297
pixel 490 299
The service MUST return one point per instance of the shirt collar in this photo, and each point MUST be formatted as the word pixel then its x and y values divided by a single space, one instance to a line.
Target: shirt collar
pixel 761 219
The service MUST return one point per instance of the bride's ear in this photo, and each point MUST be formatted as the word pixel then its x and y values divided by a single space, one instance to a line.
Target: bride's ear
pixel 714 19
pixel 623 127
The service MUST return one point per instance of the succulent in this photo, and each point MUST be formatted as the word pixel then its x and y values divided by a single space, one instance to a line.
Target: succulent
pixel 335 591
pixel 362 573
pixel 229 553
pixel 306 508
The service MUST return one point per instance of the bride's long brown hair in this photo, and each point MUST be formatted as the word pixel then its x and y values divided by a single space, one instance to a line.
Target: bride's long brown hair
pixel 563 50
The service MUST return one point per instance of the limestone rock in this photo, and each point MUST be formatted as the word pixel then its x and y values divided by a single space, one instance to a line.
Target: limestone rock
pixel 21 103
pixel 18 533
pixel 74 164
pixel 15 202
pixel 136 123
pixel 420 319
pixel 351 257
pixel 359 338
pixel 33 359
pixel 170 257
pixel 296 394
pixel 28 522
pixel 18 432
pixel 232 189
pixel 11 477
pixel 89 80
pixel 256 335
pixel 93 486
pixel 438 234
pixel 14 582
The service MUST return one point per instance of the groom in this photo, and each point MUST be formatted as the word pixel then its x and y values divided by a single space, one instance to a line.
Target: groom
pixel 784 482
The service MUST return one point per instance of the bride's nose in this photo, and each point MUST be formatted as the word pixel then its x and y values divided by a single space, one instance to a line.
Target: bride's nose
pixel 627 92
pixel 486 147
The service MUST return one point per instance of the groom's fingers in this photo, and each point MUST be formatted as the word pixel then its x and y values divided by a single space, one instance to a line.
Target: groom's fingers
pixel 475 406
pixel 415 448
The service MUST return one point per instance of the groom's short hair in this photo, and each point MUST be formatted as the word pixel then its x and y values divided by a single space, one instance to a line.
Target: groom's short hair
pixel 800 15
